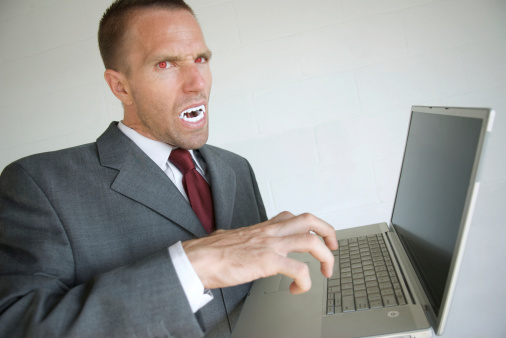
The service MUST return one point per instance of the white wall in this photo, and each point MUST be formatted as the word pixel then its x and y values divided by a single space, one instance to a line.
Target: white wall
pixel 316 94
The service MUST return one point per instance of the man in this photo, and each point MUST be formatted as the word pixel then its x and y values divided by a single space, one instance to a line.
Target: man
pixel 101 240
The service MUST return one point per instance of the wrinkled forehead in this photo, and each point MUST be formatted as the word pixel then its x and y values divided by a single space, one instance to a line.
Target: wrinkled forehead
pixel 161 30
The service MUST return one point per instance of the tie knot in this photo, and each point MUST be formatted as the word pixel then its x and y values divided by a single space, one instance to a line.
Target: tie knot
pixel 182 159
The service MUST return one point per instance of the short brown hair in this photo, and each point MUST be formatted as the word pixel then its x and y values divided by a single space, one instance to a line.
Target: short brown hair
pixel 113 25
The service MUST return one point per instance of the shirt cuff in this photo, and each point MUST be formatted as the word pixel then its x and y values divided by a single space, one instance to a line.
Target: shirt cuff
pixel 193 288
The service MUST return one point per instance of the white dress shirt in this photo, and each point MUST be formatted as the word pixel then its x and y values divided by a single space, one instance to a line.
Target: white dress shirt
pixel 159 152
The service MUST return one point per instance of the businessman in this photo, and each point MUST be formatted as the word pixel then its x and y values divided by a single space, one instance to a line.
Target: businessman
pixel 148 232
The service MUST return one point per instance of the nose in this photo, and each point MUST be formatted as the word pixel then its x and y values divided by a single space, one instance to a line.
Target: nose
pixel 193 79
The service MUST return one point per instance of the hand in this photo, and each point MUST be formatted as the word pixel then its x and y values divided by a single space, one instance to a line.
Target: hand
pixel 232 257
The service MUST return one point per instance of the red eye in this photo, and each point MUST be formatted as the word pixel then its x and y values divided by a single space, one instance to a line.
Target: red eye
pixel 200 60
pixel 162 64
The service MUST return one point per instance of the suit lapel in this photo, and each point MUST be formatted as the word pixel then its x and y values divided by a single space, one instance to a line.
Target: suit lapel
pixel 140 179
pixel 223 186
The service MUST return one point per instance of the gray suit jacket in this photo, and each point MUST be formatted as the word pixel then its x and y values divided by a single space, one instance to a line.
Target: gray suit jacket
pixel 83 242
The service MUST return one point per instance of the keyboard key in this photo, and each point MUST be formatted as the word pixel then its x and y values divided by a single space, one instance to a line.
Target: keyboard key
pixel 357 270
pixel 337 300
pixel 382 274
pixel 333 289
pixel 333 282
pixel 346 280
pixel 385 285
pixel 347 292
pixel 368 268
pixel 387 292
pixel 346 274
pixel 361 303
pixel 358 281
pixel 358 287
pixel 348 304
pixel 358 275
pixel 330 310
pixel 336 276
pixel 373 289
pixel 360 293
pixel 335 272
pixel 382 280
pixel 347 286
pixel 371 284
pixel 374 296
pixel 389 300
pixel 369 273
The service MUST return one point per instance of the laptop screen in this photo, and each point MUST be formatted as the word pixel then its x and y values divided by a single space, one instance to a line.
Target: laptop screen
pixel 433 186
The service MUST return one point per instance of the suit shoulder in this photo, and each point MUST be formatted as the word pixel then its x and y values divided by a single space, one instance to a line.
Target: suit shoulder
pixel 226 155
pixel 74 156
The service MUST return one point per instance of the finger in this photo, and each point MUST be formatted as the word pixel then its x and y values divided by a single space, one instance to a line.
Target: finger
pixel 296 270
pixel 305 223
pixel 309 243
pixel 281 217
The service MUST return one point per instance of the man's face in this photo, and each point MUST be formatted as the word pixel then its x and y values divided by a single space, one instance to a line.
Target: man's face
pixel 168 77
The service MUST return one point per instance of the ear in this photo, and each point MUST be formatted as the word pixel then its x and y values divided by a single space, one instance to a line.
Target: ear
pixel 119 86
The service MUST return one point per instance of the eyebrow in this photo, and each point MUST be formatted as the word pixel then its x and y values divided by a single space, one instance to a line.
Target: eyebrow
pixel 172 58
pixel 207 55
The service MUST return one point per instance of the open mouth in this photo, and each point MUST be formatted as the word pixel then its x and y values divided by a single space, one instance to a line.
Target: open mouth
pixel 194 114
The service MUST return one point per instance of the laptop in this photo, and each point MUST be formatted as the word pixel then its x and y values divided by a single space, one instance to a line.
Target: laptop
pixel 391 279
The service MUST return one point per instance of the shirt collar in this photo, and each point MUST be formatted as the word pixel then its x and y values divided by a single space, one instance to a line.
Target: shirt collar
pixel 157 151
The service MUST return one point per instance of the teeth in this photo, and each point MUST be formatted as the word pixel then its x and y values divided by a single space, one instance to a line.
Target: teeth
pixel 196 112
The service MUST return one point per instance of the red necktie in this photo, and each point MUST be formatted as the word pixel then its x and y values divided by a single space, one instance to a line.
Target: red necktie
pixel 196 187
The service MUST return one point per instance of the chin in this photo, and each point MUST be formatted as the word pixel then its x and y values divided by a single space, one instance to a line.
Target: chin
pixel 193 143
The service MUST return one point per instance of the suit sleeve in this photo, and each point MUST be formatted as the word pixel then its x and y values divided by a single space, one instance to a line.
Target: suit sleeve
pixel 258 196
pixel 38 293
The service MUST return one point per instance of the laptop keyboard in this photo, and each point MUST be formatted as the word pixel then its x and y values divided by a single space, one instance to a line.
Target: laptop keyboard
pixel 364 277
